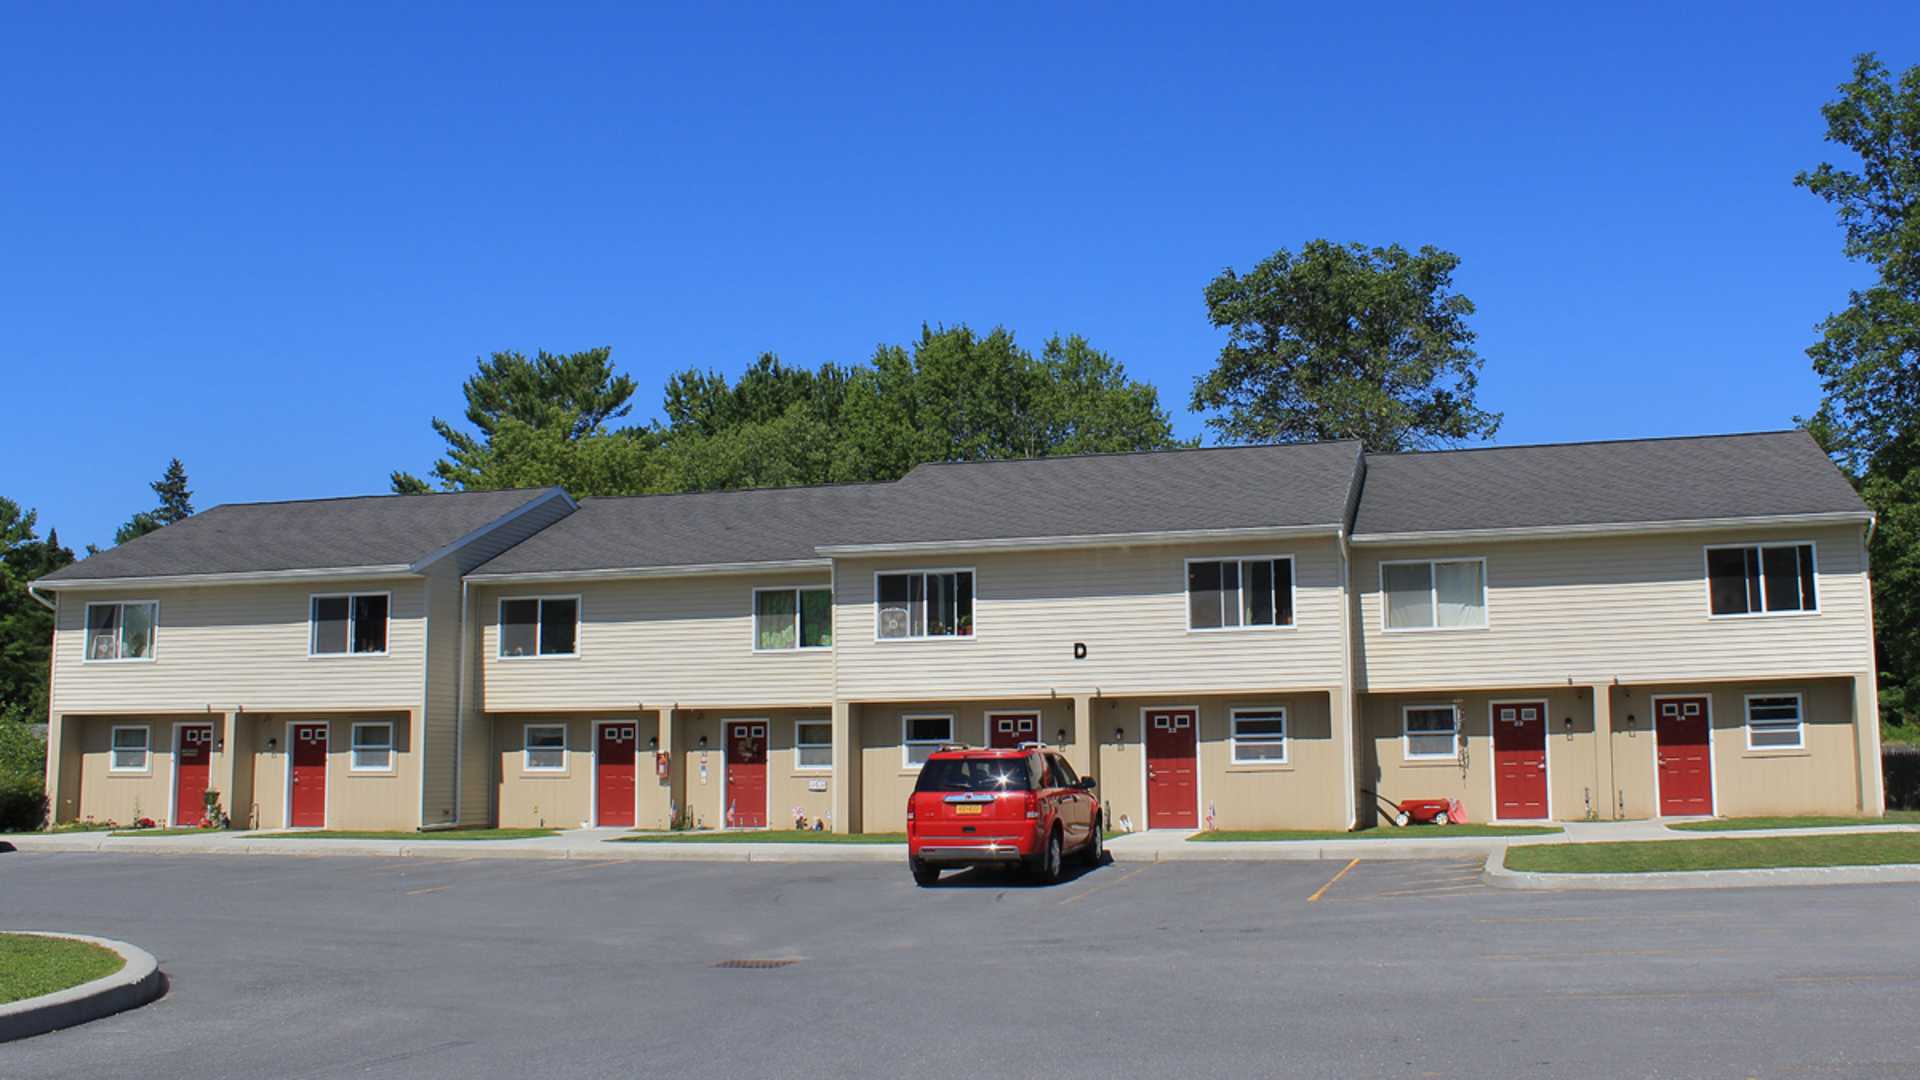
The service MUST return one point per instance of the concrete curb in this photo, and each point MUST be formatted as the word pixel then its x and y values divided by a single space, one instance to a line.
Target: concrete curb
pixel 1497 875
pixel 134 985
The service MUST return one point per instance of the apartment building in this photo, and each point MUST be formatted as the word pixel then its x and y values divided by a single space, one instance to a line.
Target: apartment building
pixel 1245 637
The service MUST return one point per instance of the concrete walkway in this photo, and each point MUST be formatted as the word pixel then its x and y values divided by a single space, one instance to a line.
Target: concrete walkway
pixel 1156 846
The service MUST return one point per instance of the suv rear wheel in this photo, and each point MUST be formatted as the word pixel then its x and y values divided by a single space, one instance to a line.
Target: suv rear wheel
pixel 1096 849
pixel 1048 871
pixel 923 874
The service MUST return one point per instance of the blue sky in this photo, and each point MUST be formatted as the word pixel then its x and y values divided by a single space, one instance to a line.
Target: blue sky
pixel 272 241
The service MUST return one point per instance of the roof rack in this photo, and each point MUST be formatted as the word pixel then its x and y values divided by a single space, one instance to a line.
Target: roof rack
pixel 1031 744
pixel 953 746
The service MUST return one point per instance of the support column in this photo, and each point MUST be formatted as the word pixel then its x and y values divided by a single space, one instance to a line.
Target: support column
pixel 225 770
pixel 1866 738
pixel 1083 752
pixel 846 767
pixel 1606 790
pixel 673 740
pixel 63 777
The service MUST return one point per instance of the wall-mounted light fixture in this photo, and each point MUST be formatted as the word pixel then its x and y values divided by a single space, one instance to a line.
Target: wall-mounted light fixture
pixel 271 743
pixel 703 742
pixel 1060 736
pixel 1119 734
pixel 653 742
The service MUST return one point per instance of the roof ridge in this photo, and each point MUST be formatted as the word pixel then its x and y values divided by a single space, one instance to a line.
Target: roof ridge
pixel 381 495
pixel 1169 450
pixel 829 485
pixel 1585 442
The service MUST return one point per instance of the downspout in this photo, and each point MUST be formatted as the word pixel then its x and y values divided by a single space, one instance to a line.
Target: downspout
pixel 33 590
pixel 459 701
pixel 1348 703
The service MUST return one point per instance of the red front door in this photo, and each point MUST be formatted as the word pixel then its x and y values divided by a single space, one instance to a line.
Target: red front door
pixel 1007 731
pixel 308 780
pixel 613 774
pixel 1173 800
pixel 192 769
pixel 1520 760
pixel 746 774
pixel 1684 761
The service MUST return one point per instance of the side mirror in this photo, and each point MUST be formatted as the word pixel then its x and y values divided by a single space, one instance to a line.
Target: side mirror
pixel 1086 783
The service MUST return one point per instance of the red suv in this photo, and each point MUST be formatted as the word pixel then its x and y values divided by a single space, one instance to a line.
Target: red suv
pixel 1000 807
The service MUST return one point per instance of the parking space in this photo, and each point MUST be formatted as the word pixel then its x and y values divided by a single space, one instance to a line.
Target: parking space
pixel 320 967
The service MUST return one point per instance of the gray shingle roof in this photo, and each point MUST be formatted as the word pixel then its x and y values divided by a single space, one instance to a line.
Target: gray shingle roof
pixel 697 529
pixel 1600 483
pixel 315 534
pixel 1219 488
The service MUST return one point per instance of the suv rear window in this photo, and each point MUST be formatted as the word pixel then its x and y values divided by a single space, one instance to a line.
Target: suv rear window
pixel 975 775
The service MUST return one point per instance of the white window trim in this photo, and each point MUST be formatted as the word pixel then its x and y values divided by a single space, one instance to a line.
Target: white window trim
pixel 828 745
pixel 906 725
pixel 1800 725
pixel 1293 591
pixel 526 750
pixel 313 626
pixel 1406 742
pixel 1706 579
pixel 753 616
pixel 353 744
pixel 923 572
pixel 500 628
pixel 146 764
pixel 1433 590
pixel 1285 740
pixel 86 624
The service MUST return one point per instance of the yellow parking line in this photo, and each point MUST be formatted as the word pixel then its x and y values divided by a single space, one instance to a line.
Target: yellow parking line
pixel 1322 890
pixel 1143 868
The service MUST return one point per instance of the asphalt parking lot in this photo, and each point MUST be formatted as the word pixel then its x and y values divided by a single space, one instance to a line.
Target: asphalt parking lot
pixel 370 967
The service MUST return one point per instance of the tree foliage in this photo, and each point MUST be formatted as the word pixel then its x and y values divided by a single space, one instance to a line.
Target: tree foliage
pixel 176 504
pixel 26 627
pixel 1868 356
pixel 951 395
pixel 1340 342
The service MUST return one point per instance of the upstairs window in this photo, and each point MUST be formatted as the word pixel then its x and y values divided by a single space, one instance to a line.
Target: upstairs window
pixel 1224 594
pixel 1774 722
pixel 926 604
pixel 121 631
pixel 343 625
pixel 1761 579
pixel 1440 594
pixel 792 619
pixel 540 626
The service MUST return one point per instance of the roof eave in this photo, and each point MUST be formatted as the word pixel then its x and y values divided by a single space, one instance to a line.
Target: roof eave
pixel 602 573
pixel 250 577
pixel 1049 543
pixel 1615 528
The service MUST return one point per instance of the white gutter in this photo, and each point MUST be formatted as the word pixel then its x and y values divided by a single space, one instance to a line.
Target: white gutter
pixel 648 571
pixel 1844 517
pixel 252 577
pixel 1351 704
pixel 33 590
pixel 1046 543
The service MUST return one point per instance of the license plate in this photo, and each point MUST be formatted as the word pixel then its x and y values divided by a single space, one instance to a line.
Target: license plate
pixel 967 808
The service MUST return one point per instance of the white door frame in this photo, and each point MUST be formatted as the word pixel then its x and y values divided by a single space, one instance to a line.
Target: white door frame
pixel 987 718
pixel 1546 752
pixel 1199 774
pixel 1713 760
pixel 726 754
pixel 326 778
pixel 593 790
pixel 173 780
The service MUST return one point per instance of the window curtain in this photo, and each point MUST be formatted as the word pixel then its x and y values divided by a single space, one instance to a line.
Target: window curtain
pixel 1462 594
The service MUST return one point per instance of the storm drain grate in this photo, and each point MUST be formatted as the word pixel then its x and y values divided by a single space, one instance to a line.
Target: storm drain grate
pixel 755 965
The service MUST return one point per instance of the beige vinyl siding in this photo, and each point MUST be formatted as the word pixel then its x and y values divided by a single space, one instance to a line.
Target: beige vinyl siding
pixel 1632 608
pixel 1127 605
pixel 474 741
pixel 241 646
pixel 655 641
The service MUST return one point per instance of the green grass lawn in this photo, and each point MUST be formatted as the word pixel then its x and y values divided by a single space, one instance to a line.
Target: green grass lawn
pixel 182 831
pixel 398 834
pixel 1725 853
pixel 1411 832
pixel 759 836
pixel 31 965
pixel 1894 817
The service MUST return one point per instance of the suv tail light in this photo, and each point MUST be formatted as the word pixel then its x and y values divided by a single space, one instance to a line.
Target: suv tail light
pixel 1033 805
pixel 909 809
